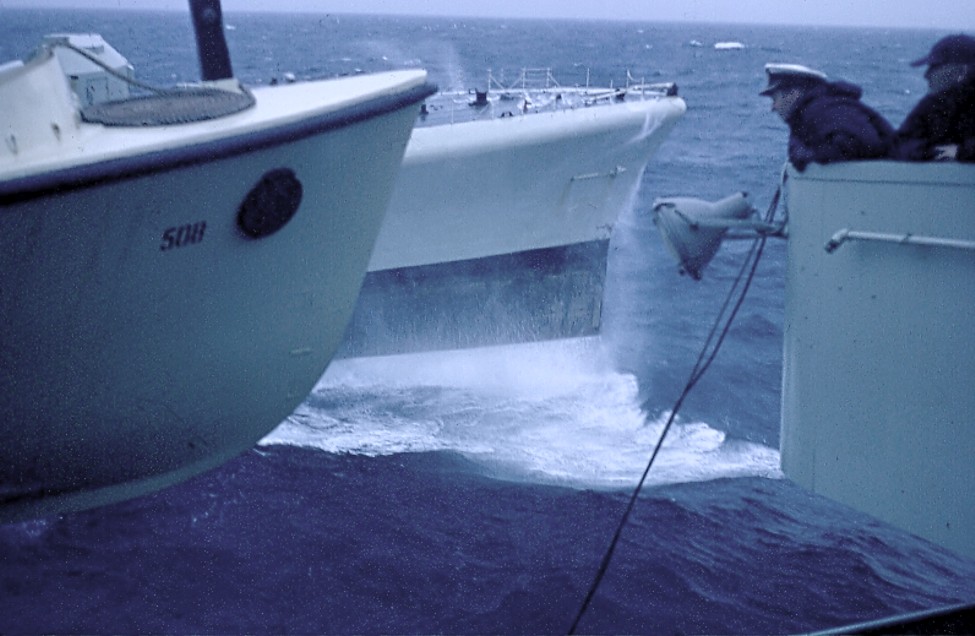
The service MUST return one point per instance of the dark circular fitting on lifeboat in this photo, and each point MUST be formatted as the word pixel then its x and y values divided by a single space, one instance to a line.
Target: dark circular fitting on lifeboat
pixel 270 204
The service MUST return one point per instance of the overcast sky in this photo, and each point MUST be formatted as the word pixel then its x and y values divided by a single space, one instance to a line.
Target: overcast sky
pixel 953 15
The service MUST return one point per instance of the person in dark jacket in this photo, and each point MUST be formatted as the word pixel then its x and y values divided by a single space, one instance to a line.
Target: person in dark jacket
pixel 942 124
pixel 827 121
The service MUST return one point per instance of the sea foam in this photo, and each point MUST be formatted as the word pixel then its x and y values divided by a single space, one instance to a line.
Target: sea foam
pixel 551 412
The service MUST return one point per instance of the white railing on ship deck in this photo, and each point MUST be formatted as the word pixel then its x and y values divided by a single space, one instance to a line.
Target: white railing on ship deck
pixel 529 82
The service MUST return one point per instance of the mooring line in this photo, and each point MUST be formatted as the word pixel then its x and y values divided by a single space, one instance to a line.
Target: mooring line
pixel 704 360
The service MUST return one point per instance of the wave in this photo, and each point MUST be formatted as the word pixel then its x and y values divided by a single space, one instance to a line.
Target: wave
pixel 553 413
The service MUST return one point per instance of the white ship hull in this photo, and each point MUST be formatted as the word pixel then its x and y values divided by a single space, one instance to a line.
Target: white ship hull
pixel 878 400
pixel 144 336
pixel 498 230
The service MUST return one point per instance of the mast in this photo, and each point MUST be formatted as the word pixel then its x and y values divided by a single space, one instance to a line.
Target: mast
pixel 210 42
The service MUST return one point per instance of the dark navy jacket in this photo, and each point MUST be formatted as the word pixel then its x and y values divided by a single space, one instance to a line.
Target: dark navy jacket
pixel 946 117
pixel 829 123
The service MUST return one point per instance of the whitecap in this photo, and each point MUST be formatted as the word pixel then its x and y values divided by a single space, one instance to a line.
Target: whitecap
pixel 547 413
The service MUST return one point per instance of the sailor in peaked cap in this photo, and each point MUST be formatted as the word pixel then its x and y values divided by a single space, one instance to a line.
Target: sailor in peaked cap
pixel 951 49
pixel 949 62
pixel 786 76
pixel 942 124
pixel 827 121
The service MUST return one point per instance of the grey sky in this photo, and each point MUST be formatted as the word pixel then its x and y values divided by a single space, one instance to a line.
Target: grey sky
pixel 954 15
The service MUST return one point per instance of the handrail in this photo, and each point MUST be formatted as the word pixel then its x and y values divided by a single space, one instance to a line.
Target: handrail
pixel 615 172
pixel 846 234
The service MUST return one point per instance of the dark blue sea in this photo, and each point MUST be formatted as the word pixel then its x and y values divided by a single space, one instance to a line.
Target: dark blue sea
pixel 477 491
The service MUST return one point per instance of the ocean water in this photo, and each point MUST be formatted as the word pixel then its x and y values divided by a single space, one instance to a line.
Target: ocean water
pixel 476 491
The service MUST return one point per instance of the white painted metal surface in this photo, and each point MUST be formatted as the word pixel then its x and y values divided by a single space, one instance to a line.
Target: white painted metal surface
pixel 44 133
pixel 878 404
pixel 502 186
pixel 143 336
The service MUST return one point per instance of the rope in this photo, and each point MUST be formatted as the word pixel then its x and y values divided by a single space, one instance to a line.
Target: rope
pixel 158 90
pixel 111 71
pixel 162 106
pixel 721 327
